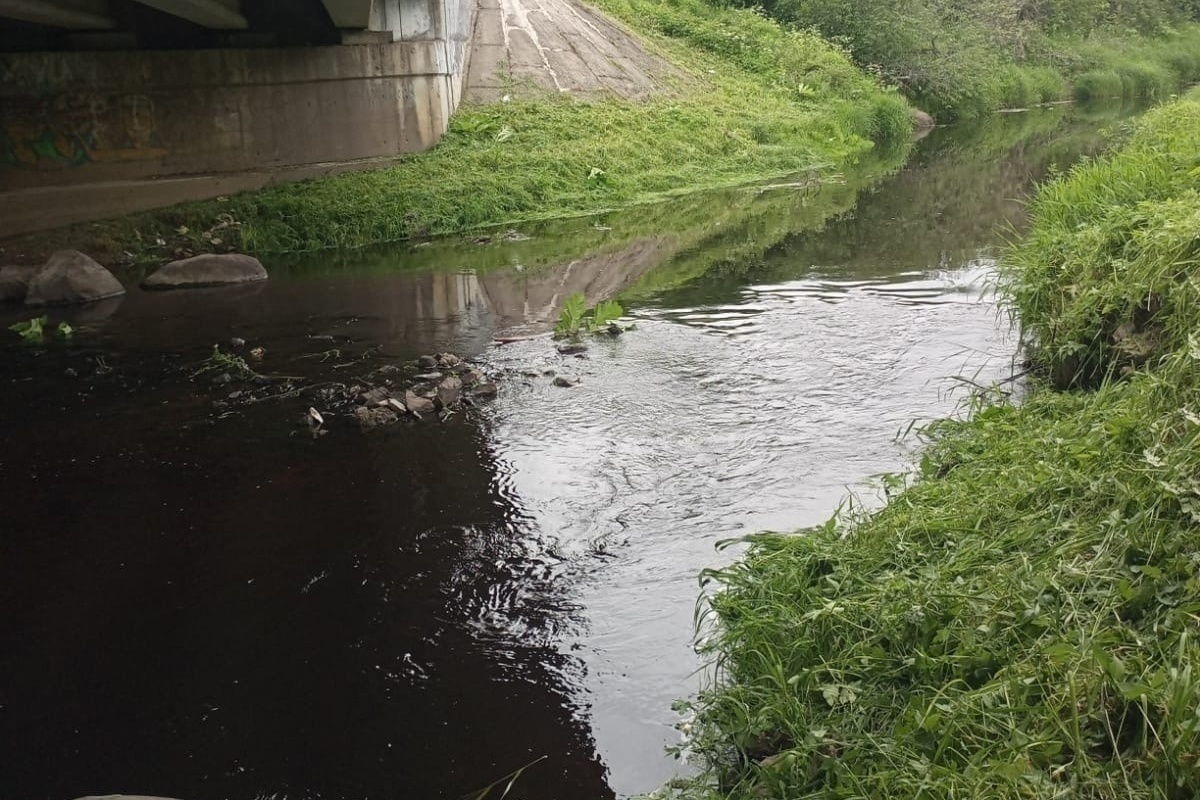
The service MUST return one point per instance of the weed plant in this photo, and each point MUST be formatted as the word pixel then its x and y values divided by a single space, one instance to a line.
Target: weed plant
pixel 1020 621
pixel 575 318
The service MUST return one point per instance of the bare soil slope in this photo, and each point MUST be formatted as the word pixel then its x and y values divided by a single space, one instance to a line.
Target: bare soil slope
pixel 524 47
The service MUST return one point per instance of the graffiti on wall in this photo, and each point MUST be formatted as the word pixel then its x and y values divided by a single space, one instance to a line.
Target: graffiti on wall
pixel 64 130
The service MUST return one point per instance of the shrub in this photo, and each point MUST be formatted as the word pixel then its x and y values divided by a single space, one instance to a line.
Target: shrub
pixel 1099 84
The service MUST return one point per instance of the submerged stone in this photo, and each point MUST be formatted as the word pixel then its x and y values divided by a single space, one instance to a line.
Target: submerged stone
pixel 14 283
pixel 70 277
pixel 207 269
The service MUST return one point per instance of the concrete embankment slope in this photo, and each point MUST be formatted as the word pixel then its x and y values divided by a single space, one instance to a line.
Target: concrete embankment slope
pixel 522 48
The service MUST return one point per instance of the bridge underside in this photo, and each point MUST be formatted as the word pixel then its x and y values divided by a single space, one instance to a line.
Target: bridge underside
pixel 118 24
pixel 113 106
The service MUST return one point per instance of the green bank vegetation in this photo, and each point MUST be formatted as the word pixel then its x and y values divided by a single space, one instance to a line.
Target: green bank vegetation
pixel 963 58
pixel 688 239
pixel 750 100
pixel 1020 620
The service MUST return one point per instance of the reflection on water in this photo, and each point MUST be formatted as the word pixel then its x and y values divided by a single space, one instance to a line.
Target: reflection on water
pixel 710 422
pixel 757 390
pixel 199 604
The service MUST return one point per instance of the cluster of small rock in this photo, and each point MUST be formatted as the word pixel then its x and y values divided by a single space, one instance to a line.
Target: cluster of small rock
pixel 445 383
pixel 70 277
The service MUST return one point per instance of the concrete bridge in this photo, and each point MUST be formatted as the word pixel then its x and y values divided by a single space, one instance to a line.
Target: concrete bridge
pixel 113 106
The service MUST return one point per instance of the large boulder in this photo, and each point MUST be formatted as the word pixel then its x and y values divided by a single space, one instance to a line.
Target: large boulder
pixel 14 283
pixel 208 269
pixel 71 277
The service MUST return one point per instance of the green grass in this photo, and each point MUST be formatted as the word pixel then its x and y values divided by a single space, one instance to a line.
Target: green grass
pixel 1020 620
pixel 1106 280
pixel 752 100
pixel 1102 66
pixel 1109 67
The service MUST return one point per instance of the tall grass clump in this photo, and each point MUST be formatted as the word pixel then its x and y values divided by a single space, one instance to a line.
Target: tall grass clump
pixel 1021 621
pixel 1116 66
pixel 1099 84
pixel 1048 83
pixel 1019 86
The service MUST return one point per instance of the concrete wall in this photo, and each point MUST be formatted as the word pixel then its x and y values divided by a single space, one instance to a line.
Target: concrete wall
pixel 99 134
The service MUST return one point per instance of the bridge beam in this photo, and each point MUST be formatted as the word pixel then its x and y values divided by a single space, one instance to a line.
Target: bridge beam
pixel 80 15
pixel 214 14
pixel 350 14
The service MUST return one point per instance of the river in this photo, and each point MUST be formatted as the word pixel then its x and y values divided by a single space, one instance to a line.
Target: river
pixel 201 600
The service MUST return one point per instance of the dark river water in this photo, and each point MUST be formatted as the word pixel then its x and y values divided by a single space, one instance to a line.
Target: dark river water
pixel 202 601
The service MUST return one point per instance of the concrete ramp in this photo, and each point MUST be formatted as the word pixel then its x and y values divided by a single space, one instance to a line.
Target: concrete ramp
pixel 524 48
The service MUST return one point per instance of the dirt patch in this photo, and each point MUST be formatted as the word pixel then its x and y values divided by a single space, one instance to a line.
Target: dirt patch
pixel 524 47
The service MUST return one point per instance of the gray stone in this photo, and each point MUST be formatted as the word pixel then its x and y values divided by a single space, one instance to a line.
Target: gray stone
pixel 471 377
pixel 447 360
pixel 14 283
pixel 71 277
pixel 374 417
pixel 416 404
pixel 922 120
pixel 449 392
pixel 485 390
pixel 374 396
pixel 427 362
pixel 565 382
pixel 207 269
pixel 572 347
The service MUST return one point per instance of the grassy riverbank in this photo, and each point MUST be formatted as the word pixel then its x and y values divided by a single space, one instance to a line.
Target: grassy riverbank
pixel 965 58
pixel 751 100
pixel 1105 65
pixel 1021 620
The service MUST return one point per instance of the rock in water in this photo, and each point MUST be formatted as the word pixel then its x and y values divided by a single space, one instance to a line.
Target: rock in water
pixel 374 396
pixel 416 404
pixel 449 392
pixel 71 277
pixel 207 269
pixel 427 362
pixel 14 283
pixel 374 417
pixel 485 390
pixel 571 348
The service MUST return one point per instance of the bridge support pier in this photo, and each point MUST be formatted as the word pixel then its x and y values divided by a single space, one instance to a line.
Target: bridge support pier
pixel 87 135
